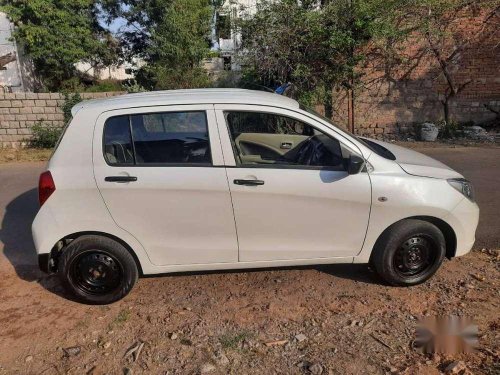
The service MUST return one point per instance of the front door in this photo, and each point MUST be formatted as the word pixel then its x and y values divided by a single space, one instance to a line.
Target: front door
pixel 291 193
pixel 160 172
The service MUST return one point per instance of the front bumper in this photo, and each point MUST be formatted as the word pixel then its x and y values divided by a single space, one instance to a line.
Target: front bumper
pixel 44 262
pixel 464 220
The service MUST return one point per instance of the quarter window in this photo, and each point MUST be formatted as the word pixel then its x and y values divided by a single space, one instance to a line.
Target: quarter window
pixel 271 140
pixel 118 141
pixel 158 138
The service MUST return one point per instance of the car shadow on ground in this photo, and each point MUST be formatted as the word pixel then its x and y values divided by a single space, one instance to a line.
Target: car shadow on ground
pixel 355 272
pixel 15 233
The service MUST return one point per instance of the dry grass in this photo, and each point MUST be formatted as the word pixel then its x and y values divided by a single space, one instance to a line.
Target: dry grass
pixel 24 155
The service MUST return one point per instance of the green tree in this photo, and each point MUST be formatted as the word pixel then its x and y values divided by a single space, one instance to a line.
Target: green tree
pixel 317 48
pixel 56 34
pixel 171 36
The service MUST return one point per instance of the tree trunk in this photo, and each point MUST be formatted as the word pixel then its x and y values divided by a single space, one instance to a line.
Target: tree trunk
pixel 8 58
pixel 350 109
pixel 446 110
pixel 328 102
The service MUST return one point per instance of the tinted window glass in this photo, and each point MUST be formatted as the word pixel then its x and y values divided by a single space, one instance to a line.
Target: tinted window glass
pixel 268 139
pixel 173 137
pixel 117 141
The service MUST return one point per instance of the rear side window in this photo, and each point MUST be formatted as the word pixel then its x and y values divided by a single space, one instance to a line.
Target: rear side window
pixel 158 138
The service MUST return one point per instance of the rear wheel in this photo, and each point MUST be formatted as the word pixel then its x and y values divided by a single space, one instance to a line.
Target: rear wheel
pixel 97 269
pixel 409 253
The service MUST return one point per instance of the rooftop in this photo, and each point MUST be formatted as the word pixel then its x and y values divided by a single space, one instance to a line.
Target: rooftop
pixel 194 96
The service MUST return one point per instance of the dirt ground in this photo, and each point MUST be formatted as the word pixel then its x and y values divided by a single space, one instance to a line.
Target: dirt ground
pixel 338 319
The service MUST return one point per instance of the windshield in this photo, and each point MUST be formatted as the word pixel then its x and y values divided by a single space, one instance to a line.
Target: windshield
pixel 373 146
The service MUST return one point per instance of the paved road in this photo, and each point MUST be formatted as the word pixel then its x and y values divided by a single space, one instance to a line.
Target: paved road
pixel 18 200
pixel 18 207
pixel 482 167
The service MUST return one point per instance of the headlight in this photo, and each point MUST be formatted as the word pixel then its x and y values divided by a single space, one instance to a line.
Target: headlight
pixel 463 186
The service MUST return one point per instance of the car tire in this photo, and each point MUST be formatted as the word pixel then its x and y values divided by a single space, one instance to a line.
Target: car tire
pixel 409 252
pixel 97 270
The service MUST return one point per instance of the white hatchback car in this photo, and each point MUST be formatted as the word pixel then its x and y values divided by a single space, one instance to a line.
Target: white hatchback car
pixel 216 179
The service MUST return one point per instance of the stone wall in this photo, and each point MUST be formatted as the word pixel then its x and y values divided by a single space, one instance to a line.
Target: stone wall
pixel 20 111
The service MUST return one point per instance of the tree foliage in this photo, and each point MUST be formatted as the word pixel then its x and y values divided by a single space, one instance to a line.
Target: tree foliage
pixel 56 34
pixel 171 36
pixel 322 45
pixel 314 47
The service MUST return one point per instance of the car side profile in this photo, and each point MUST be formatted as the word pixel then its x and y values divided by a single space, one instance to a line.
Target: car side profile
pixel 214 179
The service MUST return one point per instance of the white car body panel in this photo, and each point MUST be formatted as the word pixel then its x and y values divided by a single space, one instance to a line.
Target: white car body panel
pixel 297 213
pixel 418 164
pixel 181 218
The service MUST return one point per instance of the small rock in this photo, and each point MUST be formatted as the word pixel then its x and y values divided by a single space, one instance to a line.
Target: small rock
pixel 316 369
pixel 173 336
pixel 276 343
pixel 455 367
pixel 28 359
pixel 72 351
pixel 107 345
pixel 127 371
pixel 221 358
pixel 206 368
pixel 478 277
pixel 300 337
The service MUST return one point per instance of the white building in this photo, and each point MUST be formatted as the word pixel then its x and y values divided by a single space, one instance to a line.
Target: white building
pixel 11 74
pixel 225 39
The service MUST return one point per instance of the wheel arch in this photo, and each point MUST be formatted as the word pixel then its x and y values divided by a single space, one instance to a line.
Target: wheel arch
pixel 60 245
pixel 445 228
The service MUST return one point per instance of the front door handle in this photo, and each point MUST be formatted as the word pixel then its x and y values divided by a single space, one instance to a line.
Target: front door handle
pixel 120 179
pixel 249 182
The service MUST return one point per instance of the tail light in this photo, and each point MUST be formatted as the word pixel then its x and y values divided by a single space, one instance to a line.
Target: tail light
pixel 46 187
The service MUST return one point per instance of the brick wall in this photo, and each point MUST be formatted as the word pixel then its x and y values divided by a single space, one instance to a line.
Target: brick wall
pixel 394 101
pixel 20 111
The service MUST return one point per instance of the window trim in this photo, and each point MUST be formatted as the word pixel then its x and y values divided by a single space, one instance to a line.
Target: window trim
pixel 129 115
pixel 270 165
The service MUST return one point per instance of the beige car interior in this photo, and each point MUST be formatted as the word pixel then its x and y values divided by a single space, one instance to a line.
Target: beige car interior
pixel 283 141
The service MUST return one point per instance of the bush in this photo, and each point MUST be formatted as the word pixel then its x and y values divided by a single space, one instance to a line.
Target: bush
pixel 70 100
pixel 104 86
pixel 45 136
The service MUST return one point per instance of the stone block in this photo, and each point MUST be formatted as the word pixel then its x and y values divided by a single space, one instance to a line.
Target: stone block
pixel 38 109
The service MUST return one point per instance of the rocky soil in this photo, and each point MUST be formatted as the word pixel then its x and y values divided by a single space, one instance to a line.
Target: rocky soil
pixel 322 320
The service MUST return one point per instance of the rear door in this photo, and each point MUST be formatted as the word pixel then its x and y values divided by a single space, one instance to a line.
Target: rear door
pixel 160 172
pixel 292 196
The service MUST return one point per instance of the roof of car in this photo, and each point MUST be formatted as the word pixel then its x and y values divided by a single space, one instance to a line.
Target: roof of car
pixel 194 96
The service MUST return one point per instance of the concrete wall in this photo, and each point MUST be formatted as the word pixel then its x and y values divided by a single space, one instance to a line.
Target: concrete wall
pixel 20 111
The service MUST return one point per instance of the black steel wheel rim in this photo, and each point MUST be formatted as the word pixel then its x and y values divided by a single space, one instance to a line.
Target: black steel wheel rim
pixel 415 256
pixel 96 272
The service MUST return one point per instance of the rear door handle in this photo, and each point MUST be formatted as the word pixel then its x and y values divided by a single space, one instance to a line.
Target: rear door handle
pixel 120 179
pixel 249 182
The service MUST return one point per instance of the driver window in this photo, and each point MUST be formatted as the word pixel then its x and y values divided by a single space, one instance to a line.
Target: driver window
pixel 267 139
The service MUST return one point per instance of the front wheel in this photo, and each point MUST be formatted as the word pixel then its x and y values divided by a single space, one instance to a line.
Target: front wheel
pixel 409 253
pixel 97 270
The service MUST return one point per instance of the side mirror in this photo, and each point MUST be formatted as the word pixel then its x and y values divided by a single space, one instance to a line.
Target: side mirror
pixel 356 164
